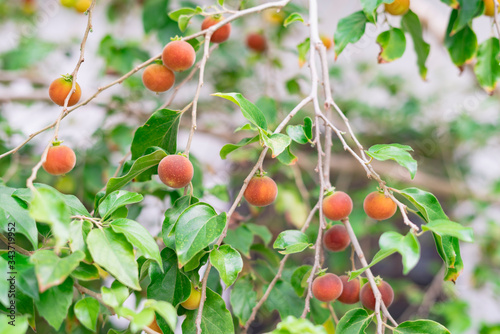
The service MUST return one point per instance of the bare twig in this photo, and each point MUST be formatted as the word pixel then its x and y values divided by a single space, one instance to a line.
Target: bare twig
pixel 16 247
pixel 332 312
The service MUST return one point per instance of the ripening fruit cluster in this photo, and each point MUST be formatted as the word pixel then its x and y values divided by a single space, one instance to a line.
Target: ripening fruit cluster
pixel 79 5
pixel 337 205
pixel 330 287
pixel 178 56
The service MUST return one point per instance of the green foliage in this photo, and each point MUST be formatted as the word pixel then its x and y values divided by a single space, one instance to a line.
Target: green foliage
pixel 393 45
pixel 291 241
pixel 349 30
pixel 354 321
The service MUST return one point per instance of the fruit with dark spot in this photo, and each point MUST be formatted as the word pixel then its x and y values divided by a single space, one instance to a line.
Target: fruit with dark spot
pixel 256 42
pixel 176 171
pixel 378 206
pixel 327 288
pixel 368 298
pixel 178 56
pixel 350 293
pixel 336 238
pixel 220 35
pixel 158 78
pixel 337 205
pixel 60 88
pixel 60 160
pixel 261 191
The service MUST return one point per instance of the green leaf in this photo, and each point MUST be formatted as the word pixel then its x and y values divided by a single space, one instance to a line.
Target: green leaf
pixel 20 324
pixel 487 68
pixel 85 272
pixel 184 21
pixel 411 24
pixel 171 285
pixel 243 299
pixel 392 43
pixel 16 213
pixel 396 152
pixel 55 302
pixel 139 166
pixel 426 203
pixel 171 216
pixel 249 110
pixel 116 200
pixel 160 130
pixel 297 279
pixel 165 310
pixel 26 277
pixel 197 227
pixel 215 317
pixel 154 14
pixel 112 251
pixel 303 49
pixel 228 263
pixel 354 322
pixel 228 148
pixel 277 142
pixel 292 241
pixel 447 227
pixel 287 157
pixel 116 295
pixel 284 299
pixel 392 242
pixel 462 45
pixel 47 207
pixel 4 284
pixel 452 3
pixel 87 311
pixel 139 237
pixel 349 30
pixel 293 325
pixel 468 10
pixel 174 15
pixel 370 8
pixel 294 17
pixel 260 231
pixel 52 270
pixel 301 134
pixel 421 326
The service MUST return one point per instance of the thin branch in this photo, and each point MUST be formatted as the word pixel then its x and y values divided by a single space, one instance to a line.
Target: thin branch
pixel 495 17
pixel 262 300
pixel 19 249
pixel 333 314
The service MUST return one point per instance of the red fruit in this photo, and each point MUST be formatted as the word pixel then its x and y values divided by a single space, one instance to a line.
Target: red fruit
pixel 60 88
pixel 60 160
pixel 158 78
pixel 220 35
pixel 350 293
pixel 336 238
pixel 178 56
pixel 368 298
pixel 176 171
pixel 337 206
pixel 256 42
pixel 261 191
pixel 378 206
pixel 327 288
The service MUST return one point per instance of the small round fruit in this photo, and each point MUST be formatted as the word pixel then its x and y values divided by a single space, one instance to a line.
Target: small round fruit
pixel 176 171
pixel 220 35
pixel 489 8
pixel 337 206
pixel 327 42
pixel 82 5
pixel 60 160
pixel 378 206
pixel 193 301
pixel 368 298
pixel 60 88
pixel 158 78
pixel 273 16
pixel 327 288
pixel 350 293
pixel 261 191
pixel 398 7
pixel 336 238
pixel 178 56
pixel 256 42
